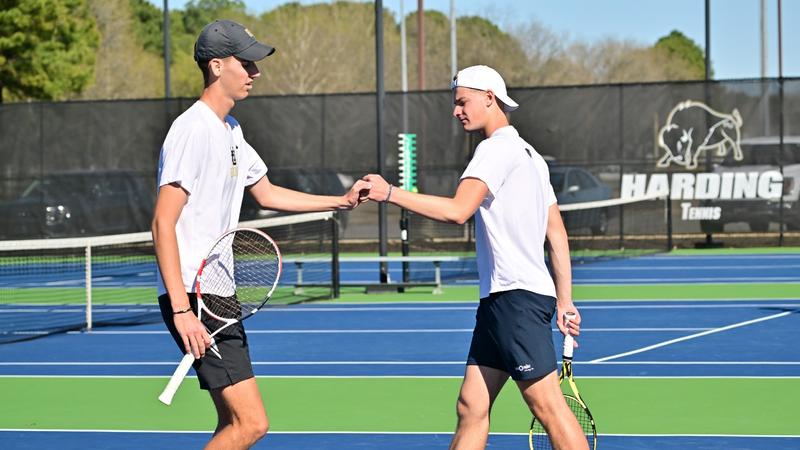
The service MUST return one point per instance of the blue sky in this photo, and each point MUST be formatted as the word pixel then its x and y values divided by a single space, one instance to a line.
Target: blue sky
pixel 735 33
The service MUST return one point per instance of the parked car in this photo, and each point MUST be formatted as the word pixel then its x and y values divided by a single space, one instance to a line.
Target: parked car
pixel 577 185
pixel 75 203
pixel 761 154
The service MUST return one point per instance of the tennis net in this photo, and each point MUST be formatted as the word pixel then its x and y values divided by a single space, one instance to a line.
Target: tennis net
pixel 56 285
pixel 618 227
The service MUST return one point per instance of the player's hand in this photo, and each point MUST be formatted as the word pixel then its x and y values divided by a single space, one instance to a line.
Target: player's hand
pixel 357 194
pixel 194 334
pixel 380 187
pixel 572 326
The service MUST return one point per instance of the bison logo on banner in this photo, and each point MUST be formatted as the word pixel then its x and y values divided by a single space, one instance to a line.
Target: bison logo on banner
pixel 693 128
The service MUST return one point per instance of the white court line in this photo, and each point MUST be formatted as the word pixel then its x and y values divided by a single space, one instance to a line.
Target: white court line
pixel 448 432
pixel 758 256
pixel 421 377
pixel 715 280
pixel 256 331
pixel 255 363
pixel 582 304
pixel 591 268
pixel 692 363
pixel 377 331
pixel 389 363
pixel 693 336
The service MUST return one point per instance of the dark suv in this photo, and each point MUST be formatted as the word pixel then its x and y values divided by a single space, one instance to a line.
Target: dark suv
pixel 75 203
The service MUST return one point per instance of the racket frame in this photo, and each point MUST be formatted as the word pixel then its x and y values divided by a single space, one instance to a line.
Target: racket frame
pixel 566 373
pixel 186 362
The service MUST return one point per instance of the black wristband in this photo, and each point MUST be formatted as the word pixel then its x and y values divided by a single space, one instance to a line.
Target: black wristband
pixel 174 313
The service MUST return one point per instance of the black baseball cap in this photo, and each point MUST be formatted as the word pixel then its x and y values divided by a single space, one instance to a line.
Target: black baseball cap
pixel 223 38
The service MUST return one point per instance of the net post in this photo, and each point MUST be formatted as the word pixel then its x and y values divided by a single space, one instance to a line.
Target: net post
pixel 335 287
pixel 88 272
pixel 438 277
pixel 298 290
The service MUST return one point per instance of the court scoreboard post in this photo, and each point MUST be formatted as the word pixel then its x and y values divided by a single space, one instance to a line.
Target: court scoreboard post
pixel 407 168
pixel 407 161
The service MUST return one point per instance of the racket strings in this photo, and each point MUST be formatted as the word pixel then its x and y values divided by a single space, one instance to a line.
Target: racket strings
pixel 540 439
pixel 239 273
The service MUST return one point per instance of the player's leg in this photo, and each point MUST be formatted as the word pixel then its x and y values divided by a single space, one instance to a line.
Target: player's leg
pixel 223 415
pixel 242 417
pixel 546 401
pixel 483 379
pixel 526 344
pixel 478 392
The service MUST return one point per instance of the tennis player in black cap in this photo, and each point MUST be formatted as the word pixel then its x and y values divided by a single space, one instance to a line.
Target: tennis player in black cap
pixel 204 169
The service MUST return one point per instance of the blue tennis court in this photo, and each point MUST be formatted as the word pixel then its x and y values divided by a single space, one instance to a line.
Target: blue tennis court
pixel 734 339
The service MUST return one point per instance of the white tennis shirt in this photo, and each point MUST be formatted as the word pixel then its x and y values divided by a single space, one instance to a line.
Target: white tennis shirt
pixel 211 160
pixel 511 222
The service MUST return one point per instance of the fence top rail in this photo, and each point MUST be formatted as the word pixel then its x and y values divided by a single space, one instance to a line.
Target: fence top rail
pixel 378 259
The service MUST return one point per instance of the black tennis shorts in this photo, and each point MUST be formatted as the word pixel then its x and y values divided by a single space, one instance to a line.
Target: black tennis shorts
pixel 213 372
pixel 513 334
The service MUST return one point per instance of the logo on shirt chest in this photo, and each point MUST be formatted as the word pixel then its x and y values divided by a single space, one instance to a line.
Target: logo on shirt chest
pixel 234 166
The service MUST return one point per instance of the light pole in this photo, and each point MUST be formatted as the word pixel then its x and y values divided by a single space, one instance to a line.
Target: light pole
pixel 166 50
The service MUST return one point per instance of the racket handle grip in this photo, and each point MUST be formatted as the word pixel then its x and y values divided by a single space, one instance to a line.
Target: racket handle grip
pixel 176 379
pixel 568 339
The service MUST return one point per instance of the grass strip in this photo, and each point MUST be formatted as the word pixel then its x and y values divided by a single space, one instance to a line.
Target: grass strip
pixel 736 406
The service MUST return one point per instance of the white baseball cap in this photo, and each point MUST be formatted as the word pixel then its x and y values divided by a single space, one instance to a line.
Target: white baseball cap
pixel 484 78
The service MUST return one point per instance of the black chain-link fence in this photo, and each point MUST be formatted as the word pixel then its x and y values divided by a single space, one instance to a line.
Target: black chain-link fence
pixel 728 154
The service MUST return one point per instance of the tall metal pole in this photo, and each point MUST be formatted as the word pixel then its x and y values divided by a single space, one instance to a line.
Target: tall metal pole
pixel 709 242
pixel 708 40
pixel 380 95
pixel 454 126
pixel 403 66
pixel 421 45
pixel 764 85
pixel 167 93
pixel 763 29
pixel 780 42
pixel 453 46
pixel 781 129
pixel 404 244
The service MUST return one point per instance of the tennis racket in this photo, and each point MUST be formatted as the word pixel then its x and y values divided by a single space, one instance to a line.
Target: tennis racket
pixel 234 281
pixel 537 437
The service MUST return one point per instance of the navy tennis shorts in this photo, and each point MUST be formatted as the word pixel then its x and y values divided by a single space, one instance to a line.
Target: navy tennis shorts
pixel 513 334
pixel 213 372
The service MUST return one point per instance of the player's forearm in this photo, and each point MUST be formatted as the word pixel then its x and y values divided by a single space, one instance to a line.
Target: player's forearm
pixel 442 209
pixel 558 245
pixel 165 242
pixel 282 199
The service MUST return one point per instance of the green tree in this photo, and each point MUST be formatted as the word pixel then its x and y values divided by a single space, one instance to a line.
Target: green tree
pixel 325 47
pixel 198 13
pixel 47 48
pixel 124 69
pixel 680 48
pixel 148 23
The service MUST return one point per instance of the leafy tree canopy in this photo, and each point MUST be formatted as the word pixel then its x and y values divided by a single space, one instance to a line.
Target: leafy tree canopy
pixel 47 48
pixel 680 47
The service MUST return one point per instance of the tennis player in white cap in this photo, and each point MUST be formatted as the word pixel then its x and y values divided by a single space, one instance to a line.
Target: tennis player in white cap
pixel 507 186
